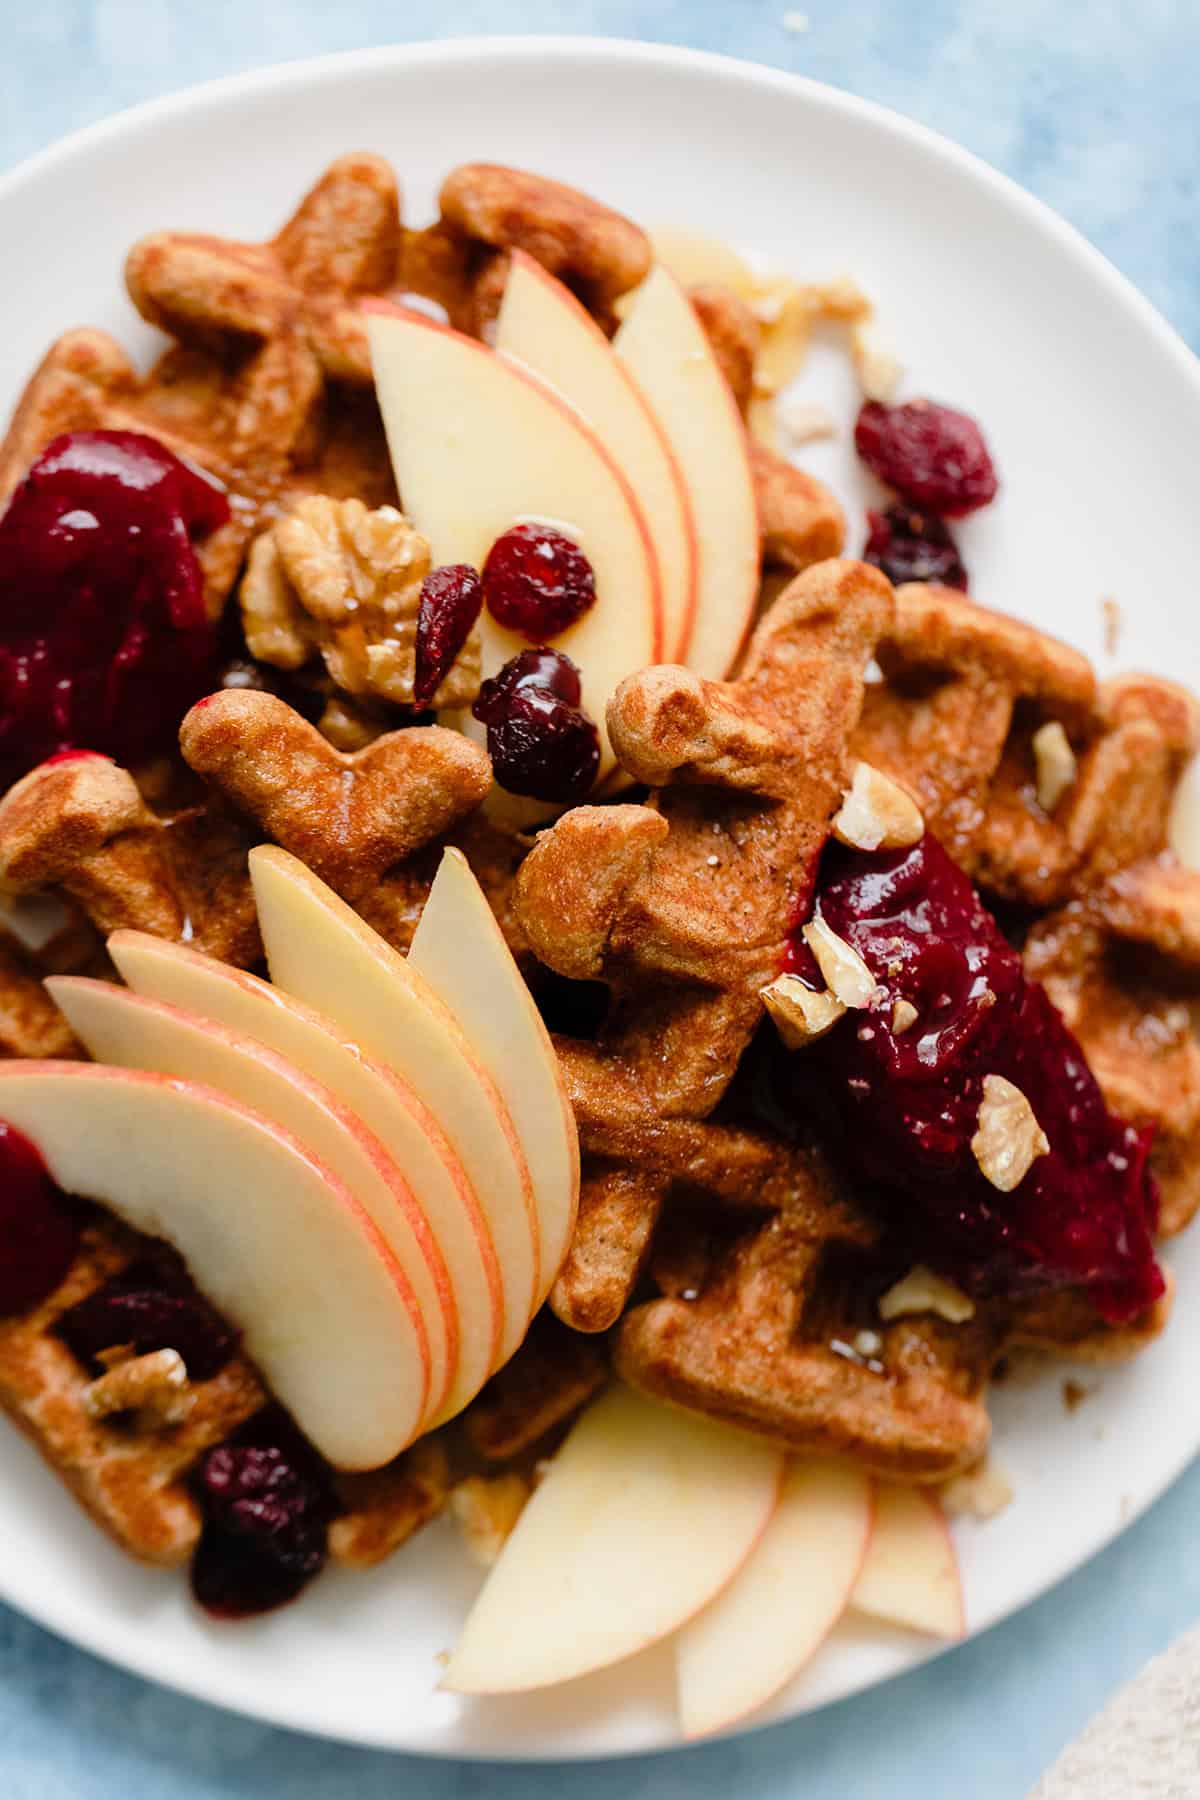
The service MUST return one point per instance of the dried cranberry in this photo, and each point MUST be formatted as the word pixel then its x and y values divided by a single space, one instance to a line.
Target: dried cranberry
pixel 451 601
pixel 537 581
pixel 540 740
pixel 104 641
pixel 138 1308
pixel 267 1499
pixel 39 1229
pixel 908 1102
pixel 913 546
pixel 935 457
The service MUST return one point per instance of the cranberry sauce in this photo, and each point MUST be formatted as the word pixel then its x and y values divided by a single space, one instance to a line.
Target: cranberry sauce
pixel 541 741
pixel 104 642
pixel 39 1228
pixel 908 1101
pixel 268 1500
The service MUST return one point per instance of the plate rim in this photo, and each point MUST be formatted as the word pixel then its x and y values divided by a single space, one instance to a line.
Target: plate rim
pixel 667 58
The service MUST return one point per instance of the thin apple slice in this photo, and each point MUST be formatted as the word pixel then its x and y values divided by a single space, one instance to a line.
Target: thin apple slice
pixel 542 325
pixel 911 1575
pixel 643 1516
pixel 479 444
pixel 278 1244
pixel 664 345
pixel 784 1601
pixel 132 1032
pixel 460 950
pixel 386 1105
pixel 321 951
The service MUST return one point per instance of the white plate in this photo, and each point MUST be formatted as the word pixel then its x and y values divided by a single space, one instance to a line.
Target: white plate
pixel 1092 407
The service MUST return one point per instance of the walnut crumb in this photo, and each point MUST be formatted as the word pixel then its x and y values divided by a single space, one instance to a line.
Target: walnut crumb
pixel 904 1016
pixel 1009 1139
pixel 921 1291
pixel 1056 764
pixel 845 972
pixel 980 1493
pixel 154 1388
pixel 485 1508
pixel 877 813
pixel 799 1015
pixel 335 579
pixel 878 367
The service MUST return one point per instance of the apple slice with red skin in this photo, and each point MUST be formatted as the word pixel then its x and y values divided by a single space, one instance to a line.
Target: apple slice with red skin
pixel 778 1610
pixel 386 1105
pixel 271 1237
pixel 643 1516
pixel 460 950
pixel 542 325
pixel 322 952
pixel 664 346
pixel 132 1032
pixel 911 1576
pixel 478 444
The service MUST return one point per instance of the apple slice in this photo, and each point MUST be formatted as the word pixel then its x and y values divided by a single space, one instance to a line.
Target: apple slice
pixel 784 1601
pixel 460 951
pixel 542 325
pixel 911 1575
pixel 664 346
pixel 643 1516
pixel 132 1032
pixel 320 950
pixel 270 1235
pixel 386 1105
pixel 479 444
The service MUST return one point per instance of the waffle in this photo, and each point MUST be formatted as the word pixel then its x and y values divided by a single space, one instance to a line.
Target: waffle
pixel 760 1253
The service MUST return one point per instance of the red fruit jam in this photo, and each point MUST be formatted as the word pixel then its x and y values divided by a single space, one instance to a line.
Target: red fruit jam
pixel 104 642
pixel 39 1229
pixel 451 601
pixel 539 738
pixel 537 581
pixel 913 546
pixel 935 457
pixel 268 1500
pixel 908 1102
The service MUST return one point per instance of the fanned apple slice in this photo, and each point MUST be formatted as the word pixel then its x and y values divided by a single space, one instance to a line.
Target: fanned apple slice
pixel 911 1575
pixel 386 1105
pixel 542 325
pixel 320 950
pixel 664 346
pixel 460 950
pixel 782 1604
pixel 278 1244
pixel 132 1032
pixel 644 1515
pixel 479 444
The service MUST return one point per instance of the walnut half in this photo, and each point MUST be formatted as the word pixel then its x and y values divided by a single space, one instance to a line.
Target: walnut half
pixel 336 579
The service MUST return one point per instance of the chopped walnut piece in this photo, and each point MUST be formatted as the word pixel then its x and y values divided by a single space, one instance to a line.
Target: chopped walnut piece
pixel 877 813
pixel 334 578
pixel 981 1492
pixel 1056 764
pixel 845 972
pixel 921 1291
pixel 904 1016
pixel 485 1508
pixel 154 1388
pixel 878 367
pixel 1009 1139
pixel 799 1015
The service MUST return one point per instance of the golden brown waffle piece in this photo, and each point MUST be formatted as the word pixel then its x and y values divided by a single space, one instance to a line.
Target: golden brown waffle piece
pixel 371 822
pixel 133 1483
pixel 799 521
pixel 388 1506
pixel 486 210
pixel 552 1375
pixel 733 330
pixel 1123 968
pixel 965 693
pixel 80 826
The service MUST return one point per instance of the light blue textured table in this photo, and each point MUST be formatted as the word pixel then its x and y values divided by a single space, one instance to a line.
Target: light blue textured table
pixel 1091 103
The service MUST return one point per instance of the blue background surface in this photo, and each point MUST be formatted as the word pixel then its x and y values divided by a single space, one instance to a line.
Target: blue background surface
pixel 1090 103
